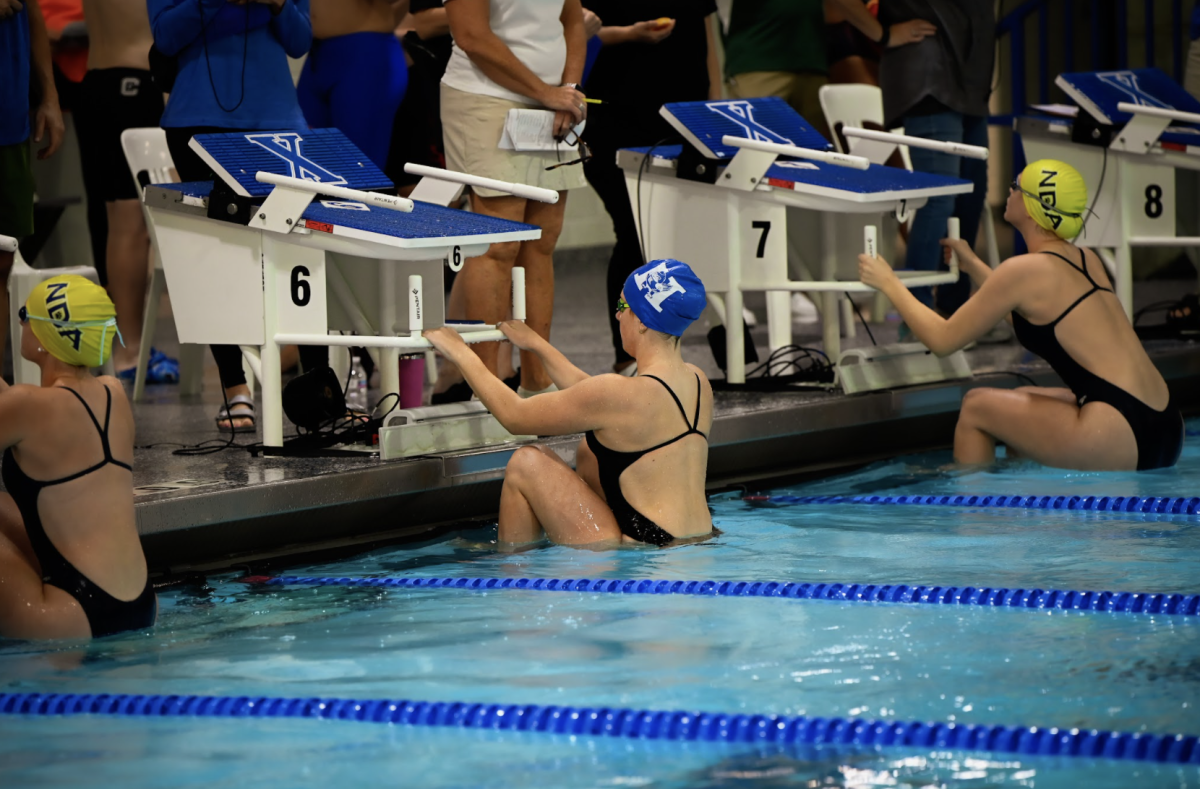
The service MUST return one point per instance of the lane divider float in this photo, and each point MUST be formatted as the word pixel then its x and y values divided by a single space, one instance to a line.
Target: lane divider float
pixel 987 597
pixel 627 724
pixel 1148 505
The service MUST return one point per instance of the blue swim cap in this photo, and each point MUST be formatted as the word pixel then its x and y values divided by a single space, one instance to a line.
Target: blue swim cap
pixel 666 295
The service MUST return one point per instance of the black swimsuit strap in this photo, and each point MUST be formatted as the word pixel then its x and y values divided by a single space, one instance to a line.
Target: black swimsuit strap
pixel 103 431
pixel 692 423
pixel 1082 269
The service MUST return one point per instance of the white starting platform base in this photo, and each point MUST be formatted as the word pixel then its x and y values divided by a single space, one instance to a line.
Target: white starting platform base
pixel 291 244
pixel 734 198
pixel 901 364
pixel 1134 129
pixel 441 428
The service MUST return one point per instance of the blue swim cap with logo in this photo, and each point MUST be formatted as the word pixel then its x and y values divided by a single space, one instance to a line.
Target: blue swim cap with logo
pixel 666 295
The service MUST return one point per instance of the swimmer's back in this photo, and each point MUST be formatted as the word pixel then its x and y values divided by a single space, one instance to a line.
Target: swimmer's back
pixel 1096 332
pixel 90 520
pixel 666 485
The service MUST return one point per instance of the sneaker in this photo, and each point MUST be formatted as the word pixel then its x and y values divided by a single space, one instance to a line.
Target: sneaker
pixel 749 316
pixel 804 310
pixel 160 369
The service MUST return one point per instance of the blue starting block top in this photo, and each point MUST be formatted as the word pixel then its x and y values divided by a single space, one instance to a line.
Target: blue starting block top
pixel 1099 92
pixel 427 221
pixel 320 155
pixel 771 119
pixel 875 181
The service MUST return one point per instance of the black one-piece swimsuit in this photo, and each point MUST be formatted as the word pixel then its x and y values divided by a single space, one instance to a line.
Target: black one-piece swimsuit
pixel 611 464
pixel 105 613
pixel 1159 434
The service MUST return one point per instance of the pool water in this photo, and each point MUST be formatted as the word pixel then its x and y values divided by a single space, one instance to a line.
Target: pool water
pixel 734 655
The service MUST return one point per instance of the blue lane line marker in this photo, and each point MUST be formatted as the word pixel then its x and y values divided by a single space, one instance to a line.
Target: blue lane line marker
pixel 987 597
pixel 1149 505
pixel 628 724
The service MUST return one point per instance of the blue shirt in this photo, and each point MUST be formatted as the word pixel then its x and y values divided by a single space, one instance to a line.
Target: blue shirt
pixel 14 78
pixel 221 47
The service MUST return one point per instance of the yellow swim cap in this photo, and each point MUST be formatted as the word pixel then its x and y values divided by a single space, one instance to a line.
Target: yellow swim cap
pixel 1055 196
pixel 73 318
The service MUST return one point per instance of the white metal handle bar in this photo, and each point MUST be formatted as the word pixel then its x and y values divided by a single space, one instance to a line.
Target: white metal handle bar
pixel 403 343
pixel 1159 112
pixel 955 148
pixel 840 159
pixel 517 190
pixel 402 204
pixel 8 244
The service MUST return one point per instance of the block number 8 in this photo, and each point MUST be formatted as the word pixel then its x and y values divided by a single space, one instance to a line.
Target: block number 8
pixel 1154 206
pixel 301 290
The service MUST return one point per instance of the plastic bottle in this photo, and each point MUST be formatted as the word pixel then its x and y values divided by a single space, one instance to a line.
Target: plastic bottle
pixel 356 392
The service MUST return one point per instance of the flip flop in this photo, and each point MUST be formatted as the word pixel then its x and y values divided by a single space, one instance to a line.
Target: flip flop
pixel 240 407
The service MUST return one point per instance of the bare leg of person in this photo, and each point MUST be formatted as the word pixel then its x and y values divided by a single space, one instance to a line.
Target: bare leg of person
pixel 487 280
pixel 542 494
pixel 128 256
pixel 537 257
pixel 6 264
pixel 1044 428
pixel 31 609
pixel 12 526
pixel 587 468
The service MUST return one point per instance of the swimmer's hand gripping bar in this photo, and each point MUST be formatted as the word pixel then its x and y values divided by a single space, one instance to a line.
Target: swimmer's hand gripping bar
pixel 517 190
pixel 955 148
pixel 402 204
pixel 871 247
pixel 840 159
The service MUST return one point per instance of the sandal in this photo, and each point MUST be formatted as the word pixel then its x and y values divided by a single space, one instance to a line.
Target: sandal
pixel 1184 315
pixel 240 407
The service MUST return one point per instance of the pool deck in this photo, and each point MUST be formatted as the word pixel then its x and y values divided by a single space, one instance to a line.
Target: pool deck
pixel 228 508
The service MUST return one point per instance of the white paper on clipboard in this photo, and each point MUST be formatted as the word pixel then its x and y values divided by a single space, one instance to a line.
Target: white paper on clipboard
pixel 533 130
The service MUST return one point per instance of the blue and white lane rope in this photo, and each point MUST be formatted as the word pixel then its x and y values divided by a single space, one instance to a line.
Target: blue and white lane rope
pixel 1147 505
pixel 628 724
pixel 987 597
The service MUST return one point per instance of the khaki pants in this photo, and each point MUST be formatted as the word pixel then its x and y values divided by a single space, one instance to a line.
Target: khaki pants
pixel 800 90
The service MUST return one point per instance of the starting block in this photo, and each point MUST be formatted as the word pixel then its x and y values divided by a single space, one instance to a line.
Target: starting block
pixel 753 176
pixel 296 239
pixel 1134 128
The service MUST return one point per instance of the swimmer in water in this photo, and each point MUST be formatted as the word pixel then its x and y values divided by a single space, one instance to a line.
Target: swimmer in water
pixel 1116 413
pixel 71 562
pixel 641 466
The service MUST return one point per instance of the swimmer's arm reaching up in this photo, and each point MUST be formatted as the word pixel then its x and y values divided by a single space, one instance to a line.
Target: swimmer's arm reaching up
pixel 558 367
pixel 996 298
pixel 585 406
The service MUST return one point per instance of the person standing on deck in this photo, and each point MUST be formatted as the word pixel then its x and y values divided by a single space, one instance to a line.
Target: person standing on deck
pixel 355 76
pixel 118 94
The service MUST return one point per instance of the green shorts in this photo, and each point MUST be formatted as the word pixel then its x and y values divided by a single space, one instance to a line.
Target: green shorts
pixel 16 191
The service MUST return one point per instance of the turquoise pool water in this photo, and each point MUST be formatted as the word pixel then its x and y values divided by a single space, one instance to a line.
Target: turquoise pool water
pixel 734 655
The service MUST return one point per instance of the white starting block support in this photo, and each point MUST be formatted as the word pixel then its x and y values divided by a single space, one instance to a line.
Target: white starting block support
pixel 1136 127
pixel 441 428
pixel 266 280
pixel 899 364
pixel 734 231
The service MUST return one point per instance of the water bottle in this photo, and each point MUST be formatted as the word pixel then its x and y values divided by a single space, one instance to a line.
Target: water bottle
pixel 356 392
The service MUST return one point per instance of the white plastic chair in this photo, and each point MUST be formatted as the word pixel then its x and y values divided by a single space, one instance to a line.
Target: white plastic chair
pixel 146 151
pixel 21 281
pixel 854 105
